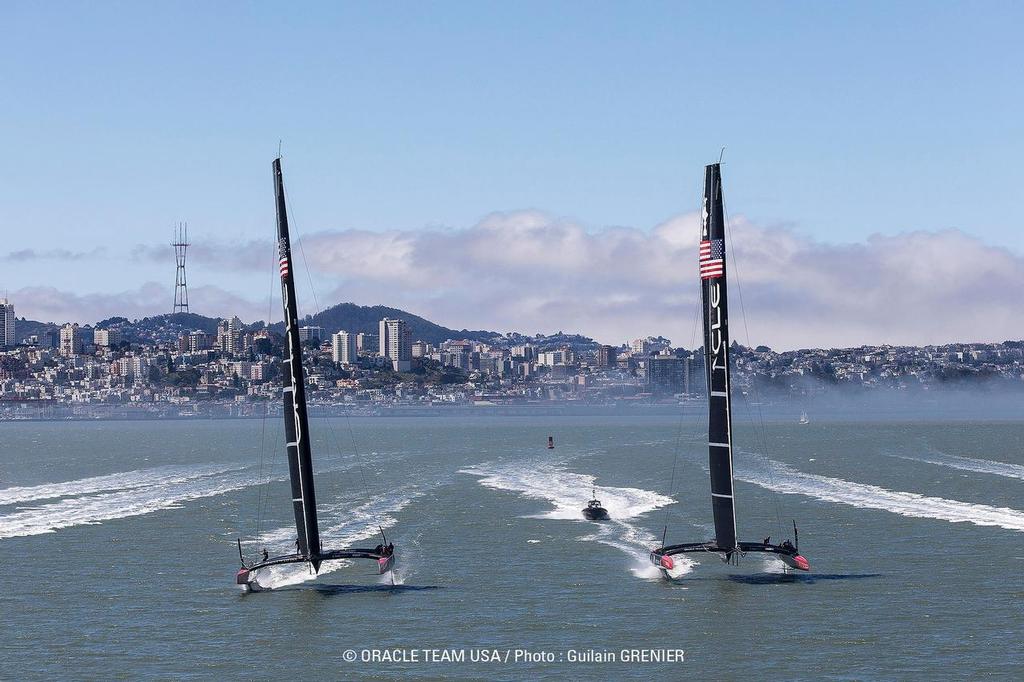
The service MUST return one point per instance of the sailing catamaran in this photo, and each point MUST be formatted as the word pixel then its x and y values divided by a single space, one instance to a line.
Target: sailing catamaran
pixel 716 371
pixel 309 548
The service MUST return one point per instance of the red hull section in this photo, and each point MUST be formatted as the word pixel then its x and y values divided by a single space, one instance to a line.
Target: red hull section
pixel 242 577
pixel 667 563
pixel 796 561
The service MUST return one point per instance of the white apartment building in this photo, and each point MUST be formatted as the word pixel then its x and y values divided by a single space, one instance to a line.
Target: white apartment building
pixel 72 340
pixel 106 337
pixel 396 343
pixel 343 348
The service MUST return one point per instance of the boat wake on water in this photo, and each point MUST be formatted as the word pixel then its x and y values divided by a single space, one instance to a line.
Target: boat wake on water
pixel 782 478
pixel 568 492
pixel 86 506
pixel 343 525
pixel 90 501
pixel 122 480
pixel 981 466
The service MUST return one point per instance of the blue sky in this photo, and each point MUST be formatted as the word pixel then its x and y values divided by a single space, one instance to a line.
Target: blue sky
pixel 840 121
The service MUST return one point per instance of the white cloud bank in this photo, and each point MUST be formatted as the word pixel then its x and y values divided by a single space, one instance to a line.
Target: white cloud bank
pixel 49 304
pixel 530 271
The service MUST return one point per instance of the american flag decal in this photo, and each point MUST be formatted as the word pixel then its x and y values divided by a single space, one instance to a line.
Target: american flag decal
pixel 712 261
pixel 283 250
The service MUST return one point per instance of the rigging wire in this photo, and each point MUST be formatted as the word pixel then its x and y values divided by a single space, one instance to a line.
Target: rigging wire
pixel 263 487
pixel 337 445
pixel 679 431
pixel 753 384
pixel 669 512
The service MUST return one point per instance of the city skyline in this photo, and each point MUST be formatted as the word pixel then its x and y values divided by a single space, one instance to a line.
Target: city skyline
pixel 164 367
pixel 531 168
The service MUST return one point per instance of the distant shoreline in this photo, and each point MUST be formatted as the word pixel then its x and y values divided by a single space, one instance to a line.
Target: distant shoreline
pixel 952 405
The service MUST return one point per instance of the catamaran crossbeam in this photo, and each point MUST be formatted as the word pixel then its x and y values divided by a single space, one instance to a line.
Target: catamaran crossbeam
pixel 788 554
pixel 385 562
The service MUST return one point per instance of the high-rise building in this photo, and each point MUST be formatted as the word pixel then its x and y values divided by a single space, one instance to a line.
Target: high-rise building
pixel 365 343
pixel 247 341
pixel 344 348
pixel 199 340
pixel 242 369
pixel 640 346
pixel 606 356
pixel 421 349
pixel 556 357
pixel 526 352
pixel 133 368
pixel 382 338
pixel 6 324
pixel 457 356
pixel 107 337
pixel 311 333
pixel 229 336
pixel 666 373
pixel 72 340
pixel 396 343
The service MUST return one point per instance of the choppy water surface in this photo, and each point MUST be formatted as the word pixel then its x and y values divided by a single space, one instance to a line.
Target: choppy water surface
pixel 117 544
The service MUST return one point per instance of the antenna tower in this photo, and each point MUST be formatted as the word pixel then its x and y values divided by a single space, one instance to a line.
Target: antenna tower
pixel 180 287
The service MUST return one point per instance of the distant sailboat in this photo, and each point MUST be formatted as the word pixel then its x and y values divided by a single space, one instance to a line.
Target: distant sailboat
pixel 309 548
pixel 804 419
pixel 716 362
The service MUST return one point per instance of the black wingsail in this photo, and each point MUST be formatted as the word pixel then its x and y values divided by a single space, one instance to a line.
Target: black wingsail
pixel 296 425
pixel 297 442
pixel 714 297
pixel 714 301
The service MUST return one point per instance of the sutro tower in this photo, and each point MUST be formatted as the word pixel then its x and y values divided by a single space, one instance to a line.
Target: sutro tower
pixel 180 286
